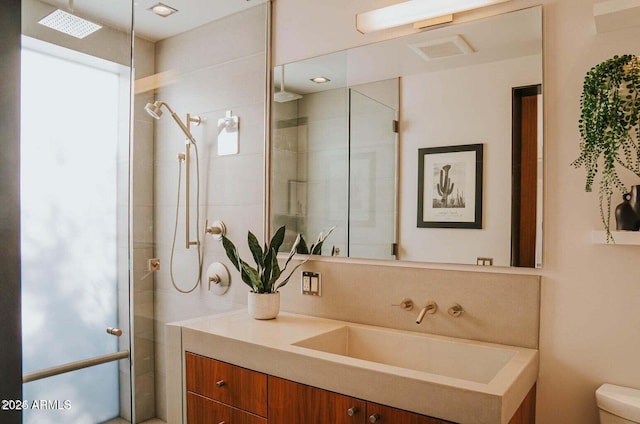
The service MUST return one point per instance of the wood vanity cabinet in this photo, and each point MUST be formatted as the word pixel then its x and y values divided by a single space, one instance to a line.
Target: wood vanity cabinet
pixel 391 415
pixel 201 410
pixel 291 402
pixel 221 393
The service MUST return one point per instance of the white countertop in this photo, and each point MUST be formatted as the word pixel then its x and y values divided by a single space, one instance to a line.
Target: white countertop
pixel 266 346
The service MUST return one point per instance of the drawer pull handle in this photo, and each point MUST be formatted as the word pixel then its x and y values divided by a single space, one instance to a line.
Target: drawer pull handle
pixel 374 418
pixel 352 411
pixel 221 383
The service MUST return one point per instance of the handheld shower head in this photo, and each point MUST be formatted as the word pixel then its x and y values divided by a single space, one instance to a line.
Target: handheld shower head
pixel 155 110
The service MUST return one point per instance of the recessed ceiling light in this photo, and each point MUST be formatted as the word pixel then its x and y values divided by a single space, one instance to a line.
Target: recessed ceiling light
pixel 320 80
pixel 163 10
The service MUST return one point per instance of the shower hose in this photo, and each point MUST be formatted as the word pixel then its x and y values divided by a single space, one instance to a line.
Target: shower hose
pixel 175 227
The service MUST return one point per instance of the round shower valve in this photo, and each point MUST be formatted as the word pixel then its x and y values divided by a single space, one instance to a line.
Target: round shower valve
pixel 219 278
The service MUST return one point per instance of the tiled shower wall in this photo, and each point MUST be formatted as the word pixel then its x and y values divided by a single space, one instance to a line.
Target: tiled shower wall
pixel 211 75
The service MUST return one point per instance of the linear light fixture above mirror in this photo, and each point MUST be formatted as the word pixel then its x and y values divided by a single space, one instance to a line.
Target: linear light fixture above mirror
pixel 414 11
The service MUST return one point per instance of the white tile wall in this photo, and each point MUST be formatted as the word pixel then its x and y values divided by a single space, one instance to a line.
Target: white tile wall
pixel 213 75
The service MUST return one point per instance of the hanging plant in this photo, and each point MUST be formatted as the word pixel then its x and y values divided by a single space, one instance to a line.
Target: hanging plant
pixel 609 131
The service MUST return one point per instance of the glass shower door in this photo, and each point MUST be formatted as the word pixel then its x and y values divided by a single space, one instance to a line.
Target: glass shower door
pixel 75 108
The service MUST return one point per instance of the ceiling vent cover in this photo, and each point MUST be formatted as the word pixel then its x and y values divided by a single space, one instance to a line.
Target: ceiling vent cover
pixel 442 47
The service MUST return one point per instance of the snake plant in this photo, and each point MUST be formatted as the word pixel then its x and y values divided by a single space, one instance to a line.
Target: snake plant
pixel 609 131
pixel 263 278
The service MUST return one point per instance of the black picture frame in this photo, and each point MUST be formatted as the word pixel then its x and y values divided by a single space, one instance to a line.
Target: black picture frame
pixel 455 171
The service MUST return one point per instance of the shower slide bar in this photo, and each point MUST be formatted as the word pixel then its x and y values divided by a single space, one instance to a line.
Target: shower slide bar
pixel 196 120
pixel 73 366
pixel 155 110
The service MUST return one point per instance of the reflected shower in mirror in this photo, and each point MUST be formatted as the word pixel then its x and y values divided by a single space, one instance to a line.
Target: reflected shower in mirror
pixel 334 152
pixel 345 151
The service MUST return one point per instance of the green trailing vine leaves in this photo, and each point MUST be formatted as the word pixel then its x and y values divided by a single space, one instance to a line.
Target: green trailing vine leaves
pixel 609 130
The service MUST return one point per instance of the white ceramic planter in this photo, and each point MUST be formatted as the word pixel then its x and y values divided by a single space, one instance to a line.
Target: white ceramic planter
pixel 263 305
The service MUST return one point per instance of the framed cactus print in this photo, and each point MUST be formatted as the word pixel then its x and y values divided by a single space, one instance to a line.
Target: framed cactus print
pixel 450 186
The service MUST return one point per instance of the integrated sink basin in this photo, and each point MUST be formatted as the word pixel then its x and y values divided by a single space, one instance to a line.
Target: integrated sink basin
pixel 458 380
pixel 442 356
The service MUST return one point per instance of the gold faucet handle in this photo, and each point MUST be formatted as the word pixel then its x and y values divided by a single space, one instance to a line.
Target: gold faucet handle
pixel 456 310
pixel 405 304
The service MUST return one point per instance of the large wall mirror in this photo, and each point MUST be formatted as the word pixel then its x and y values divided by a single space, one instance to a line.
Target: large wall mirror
pixel 426 147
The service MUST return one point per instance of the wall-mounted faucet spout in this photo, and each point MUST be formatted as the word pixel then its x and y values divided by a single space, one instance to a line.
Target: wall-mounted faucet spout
pixel 429 308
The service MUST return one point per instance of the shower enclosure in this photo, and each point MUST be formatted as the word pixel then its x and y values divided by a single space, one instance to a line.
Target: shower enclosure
pixel 103 188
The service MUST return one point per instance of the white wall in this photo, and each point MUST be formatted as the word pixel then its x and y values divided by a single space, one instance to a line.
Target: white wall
pixel 591 293
pixel 469 105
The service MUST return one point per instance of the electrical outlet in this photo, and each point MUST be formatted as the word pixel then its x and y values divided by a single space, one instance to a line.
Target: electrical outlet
pixel 306 283
pixel 311 283
pixel 484 261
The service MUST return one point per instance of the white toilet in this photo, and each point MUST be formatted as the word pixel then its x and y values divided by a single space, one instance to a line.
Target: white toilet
pixel 618 405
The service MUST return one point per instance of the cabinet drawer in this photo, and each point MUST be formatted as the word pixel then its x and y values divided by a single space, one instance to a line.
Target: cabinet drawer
pixel 295 403
pixel 201 410
pixel 387 415
pixel 229 384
